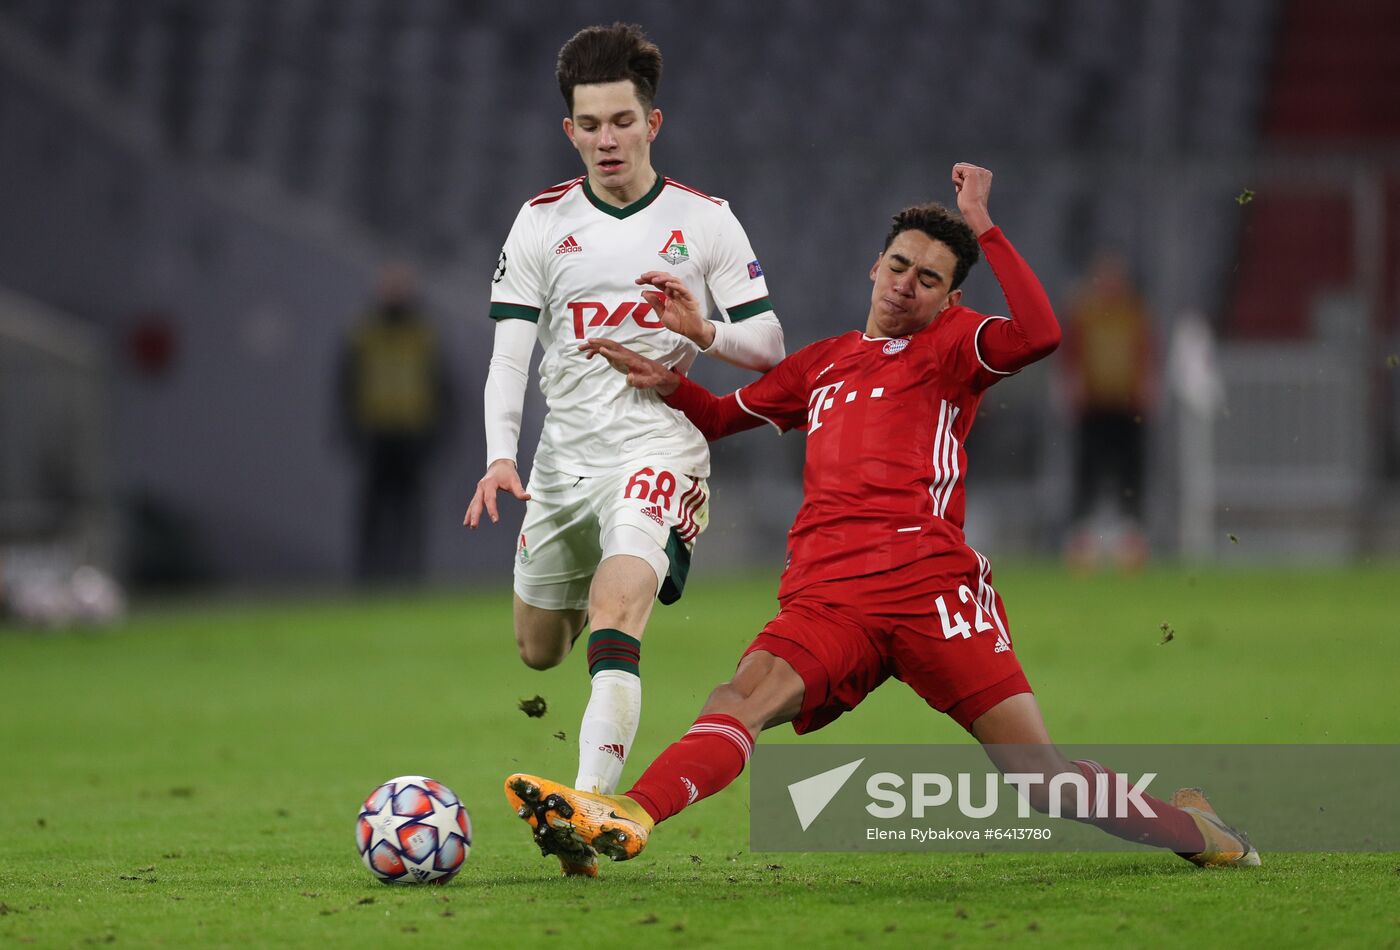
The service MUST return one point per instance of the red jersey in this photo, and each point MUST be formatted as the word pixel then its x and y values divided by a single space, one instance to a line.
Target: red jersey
pixel 887 422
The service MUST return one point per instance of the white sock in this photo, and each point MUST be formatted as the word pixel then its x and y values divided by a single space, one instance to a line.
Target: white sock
pixel 608 728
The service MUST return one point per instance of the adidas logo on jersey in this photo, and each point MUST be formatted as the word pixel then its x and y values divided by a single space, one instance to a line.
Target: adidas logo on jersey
pixel 567 245
pixel 654 513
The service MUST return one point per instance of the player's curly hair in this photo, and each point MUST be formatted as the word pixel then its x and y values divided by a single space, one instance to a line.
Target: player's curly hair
pixel 942 225
pixel 600 54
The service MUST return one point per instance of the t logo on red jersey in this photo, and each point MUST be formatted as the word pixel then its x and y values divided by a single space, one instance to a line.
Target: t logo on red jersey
pixel 822 399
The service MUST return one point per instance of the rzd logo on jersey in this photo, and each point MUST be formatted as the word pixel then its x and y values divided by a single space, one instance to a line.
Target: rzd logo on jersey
pixel 588 314
pixel 674 251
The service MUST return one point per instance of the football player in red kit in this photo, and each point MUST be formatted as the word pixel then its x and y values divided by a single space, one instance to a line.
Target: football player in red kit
pixel 880 581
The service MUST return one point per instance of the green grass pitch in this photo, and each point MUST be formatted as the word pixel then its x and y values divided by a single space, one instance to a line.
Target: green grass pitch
pixel 193 776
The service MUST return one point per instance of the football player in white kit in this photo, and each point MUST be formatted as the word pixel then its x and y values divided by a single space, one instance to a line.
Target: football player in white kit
pixel 617 494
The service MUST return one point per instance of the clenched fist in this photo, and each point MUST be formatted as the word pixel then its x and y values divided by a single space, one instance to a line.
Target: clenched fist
pixel 974 185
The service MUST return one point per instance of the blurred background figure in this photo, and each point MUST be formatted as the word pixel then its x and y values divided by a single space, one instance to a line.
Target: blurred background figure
pixel 1108 362
pixel 1192 374
pixel 393 401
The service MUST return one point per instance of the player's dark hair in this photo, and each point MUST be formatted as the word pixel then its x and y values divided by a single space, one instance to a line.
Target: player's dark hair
pixel 599 54
pixel 942 225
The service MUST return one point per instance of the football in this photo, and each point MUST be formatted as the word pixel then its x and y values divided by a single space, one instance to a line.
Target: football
pixel 413 830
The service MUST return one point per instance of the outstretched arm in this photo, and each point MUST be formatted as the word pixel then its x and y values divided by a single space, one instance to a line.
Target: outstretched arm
pixel 1032 333
pixel 755 344
pixel 715 416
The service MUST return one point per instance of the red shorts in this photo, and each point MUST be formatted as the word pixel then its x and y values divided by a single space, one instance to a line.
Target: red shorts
pixel 936 624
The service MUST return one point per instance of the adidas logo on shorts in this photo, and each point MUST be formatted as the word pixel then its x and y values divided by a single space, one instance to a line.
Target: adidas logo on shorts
pixel 655 514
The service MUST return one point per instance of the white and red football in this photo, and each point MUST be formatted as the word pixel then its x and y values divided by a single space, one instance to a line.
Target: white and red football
pixel 413 830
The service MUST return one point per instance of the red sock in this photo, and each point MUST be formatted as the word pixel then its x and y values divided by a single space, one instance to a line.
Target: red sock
pixel 706 759
pixel 1172 828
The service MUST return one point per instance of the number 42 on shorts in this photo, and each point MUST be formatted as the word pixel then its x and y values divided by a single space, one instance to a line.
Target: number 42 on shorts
pixel 954 625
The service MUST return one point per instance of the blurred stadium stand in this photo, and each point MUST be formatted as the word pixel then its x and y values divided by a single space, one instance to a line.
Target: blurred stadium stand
pixel 242 166
pixel 1310 450
pixel 55 467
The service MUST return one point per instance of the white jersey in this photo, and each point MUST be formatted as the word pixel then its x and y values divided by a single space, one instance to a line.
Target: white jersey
pixel 570 264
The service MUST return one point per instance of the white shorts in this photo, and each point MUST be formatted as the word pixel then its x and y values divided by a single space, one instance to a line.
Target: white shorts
pixel 649 510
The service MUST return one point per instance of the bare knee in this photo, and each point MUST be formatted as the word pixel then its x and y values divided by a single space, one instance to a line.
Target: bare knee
pixel 544 637
pixel 538 655
pixel 763 692
pixel 725 699
pixel 545 643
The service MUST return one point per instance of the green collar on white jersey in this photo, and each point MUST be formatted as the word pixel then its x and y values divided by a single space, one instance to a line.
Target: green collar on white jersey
pixel 631 209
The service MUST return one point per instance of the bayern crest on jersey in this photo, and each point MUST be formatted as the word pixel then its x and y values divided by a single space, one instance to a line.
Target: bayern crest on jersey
pixel 895 346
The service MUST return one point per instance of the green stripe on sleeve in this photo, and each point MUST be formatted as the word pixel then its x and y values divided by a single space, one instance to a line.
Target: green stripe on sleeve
pixel 515 311
pixel 751 309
